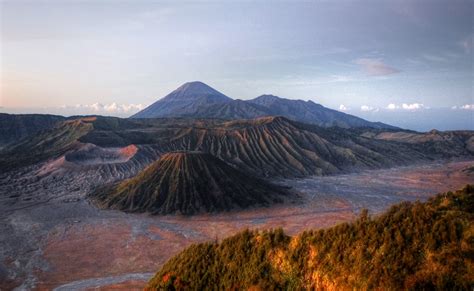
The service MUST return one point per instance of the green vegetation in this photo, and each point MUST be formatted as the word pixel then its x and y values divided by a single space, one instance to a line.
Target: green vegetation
pixel 412 246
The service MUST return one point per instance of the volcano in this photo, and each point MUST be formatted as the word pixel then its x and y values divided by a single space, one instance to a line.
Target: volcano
pixel 198 100
pixel 184 101
pixel 188 183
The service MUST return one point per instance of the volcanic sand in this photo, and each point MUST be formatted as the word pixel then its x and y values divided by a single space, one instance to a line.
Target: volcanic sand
pixel 51 236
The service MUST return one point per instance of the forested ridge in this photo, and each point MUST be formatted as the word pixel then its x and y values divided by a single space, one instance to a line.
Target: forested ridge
pixel 416 245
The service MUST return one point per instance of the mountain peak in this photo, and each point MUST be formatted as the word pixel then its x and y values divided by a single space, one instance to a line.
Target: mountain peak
pixel 268 97
pixel 183 101
pixel 196 85
pixel 193 90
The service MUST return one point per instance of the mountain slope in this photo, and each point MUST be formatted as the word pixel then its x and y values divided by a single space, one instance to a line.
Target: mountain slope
pixel 413 246
pixel 445 143
pixel 236 109
pixel 14 127
pixel 188 183
pixel 278 147
pixel 183 101
pixel 197 100
pixel 46 144
pixel 265 147
pixel 310 112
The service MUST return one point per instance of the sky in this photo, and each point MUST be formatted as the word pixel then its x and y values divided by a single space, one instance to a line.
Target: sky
pixel 408 63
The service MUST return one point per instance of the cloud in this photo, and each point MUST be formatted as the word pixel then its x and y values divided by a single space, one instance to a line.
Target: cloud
pixel 375 67
pixel 407 106
pixel 95 106
pixel 99 108
pixel 392 106
pixel 413 106
pixel 342 107
pixel 368 108
pixel 463 107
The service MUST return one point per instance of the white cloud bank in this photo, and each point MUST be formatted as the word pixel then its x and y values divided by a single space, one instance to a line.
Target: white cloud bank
pixel 407 106
pixel 102 109
pixel 368 108
pixel 392 106
pixel 464 107
pixel 413 106
pixel 342 107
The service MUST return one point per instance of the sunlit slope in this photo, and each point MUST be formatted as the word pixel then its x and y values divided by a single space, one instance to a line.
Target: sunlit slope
pixel 415 246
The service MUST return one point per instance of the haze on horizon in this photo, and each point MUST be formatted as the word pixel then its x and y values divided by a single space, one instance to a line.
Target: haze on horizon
pixel 407 63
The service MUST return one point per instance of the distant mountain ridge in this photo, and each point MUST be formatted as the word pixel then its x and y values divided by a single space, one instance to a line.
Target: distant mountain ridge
pixel 198 100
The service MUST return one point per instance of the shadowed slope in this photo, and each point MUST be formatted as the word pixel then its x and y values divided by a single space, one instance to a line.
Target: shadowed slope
pixel 237 109
pixel 413 246
pixel 276 146
pixel 313 113
pixel 266 146
pixel 447 142
pixel 46 144
pixel 14 127
pixel 187 183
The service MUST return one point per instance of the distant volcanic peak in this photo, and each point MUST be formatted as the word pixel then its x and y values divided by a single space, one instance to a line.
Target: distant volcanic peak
pixel 197 86
pixel 187 183
pixel 184 101
pixel 195 89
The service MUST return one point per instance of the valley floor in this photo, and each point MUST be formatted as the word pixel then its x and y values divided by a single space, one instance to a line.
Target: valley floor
pixel 53 238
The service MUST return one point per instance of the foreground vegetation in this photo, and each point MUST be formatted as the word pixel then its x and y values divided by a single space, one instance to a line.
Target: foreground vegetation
pixel 412 246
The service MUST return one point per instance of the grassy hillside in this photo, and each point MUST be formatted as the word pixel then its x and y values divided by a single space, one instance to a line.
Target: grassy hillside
pixel 411 246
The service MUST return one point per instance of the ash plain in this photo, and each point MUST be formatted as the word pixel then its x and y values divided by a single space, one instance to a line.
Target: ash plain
pixel 51 237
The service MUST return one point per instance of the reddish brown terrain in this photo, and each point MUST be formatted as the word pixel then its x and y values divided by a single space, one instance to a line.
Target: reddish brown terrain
pixel 69 244
pixel 52 235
